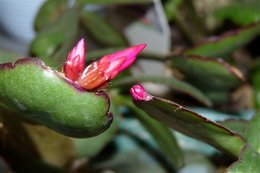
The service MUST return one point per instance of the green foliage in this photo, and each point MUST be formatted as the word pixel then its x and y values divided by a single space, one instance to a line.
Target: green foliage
pixel 248 162
pixel 210 74
pixel 47 98
pixel 204 64
pixel 102 31
pixel 223 45
pixel 56 38
pixel 49 12
pixel 234 12
pixel 192 124
pixel 237 126
pixel 171 8
pixel 256 85
pixel 253 129
pixel 162 135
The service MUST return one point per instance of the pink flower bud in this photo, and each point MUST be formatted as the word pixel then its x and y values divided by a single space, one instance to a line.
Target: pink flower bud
pixel 99 73
pixel 75 63
pixel 129 53
pixel 139 94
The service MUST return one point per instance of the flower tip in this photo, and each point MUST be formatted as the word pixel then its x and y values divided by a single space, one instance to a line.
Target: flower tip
pixel 75 63
pixel 81 43
pixel 139 94
pixel 142 46
pixel 130 54
pixel 135 50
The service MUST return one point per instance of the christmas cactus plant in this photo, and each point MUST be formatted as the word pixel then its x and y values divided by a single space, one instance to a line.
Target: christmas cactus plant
pixel 71 101
pixel 63 112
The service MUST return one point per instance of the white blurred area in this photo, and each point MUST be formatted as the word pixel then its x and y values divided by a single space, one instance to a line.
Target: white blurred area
pixel 16 23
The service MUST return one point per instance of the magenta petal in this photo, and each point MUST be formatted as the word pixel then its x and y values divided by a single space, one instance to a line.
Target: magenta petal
pixel 75 63
pixel 129 53
pixel 138 93
pixel 100 72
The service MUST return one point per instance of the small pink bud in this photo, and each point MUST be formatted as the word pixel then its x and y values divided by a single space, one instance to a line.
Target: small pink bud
pixel 130 55
pixel 75 63
pixel 100 72
pixel 138 93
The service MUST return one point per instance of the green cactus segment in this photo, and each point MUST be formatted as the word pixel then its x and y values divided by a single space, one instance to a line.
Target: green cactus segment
pixel 249 162
pixel 46 97
pixel 253 130
pixel 193 125
pixel 223 45
pixel 207 73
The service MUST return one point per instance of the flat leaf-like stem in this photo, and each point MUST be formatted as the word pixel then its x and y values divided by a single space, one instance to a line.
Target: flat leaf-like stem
pixel 192 124
pixel 249 159
pixel 44 96
pixel 248 162
pixel 223 45
pixel 208 73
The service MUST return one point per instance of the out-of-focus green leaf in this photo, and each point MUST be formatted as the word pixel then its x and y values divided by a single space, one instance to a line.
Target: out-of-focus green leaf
pixel 253 131
pixel 161 134
pixel 46 97
pixel 249 162
pixel 113 2
pixel 49 12
pixel 223 45
pixel 237 126
pixel 242 13
pixel 208 73
pixel 171 8
pixel 55 36
pixel 256 87
pixel 173 83
pixel 192 124
pixel 218 96
pixel 101 30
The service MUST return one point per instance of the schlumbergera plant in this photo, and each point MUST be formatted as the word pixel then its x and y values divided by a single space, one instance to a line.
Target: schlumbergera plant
pixel 63 112
pixel 84 110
